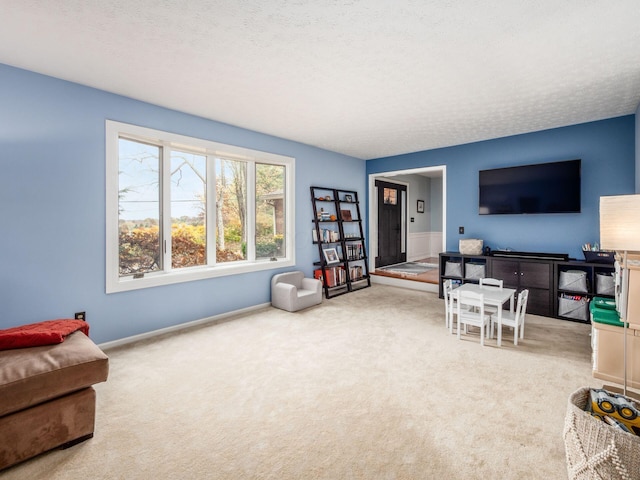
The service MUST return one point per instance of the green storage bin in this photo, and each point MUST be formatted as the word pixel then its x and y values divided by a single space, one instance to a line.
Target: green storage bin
pixel 603 310
pixel 603 303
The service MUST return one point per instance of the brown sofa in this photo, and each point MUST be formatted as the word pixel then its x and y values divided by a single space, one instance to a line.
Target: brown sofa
pixel 46 396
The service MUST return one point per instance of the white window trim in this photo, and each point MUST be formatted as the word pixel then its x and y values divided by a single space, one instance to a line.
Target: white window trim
pixel 114 283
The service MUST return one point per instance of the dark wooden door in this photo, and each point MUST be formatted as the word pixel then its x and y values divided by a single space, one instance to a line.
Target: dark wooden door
pixel 390 239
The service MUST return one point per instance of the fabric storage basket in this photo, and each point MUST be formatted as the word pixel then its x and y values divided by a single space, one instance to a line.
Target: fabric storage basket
pixel 453 269
pixel 474 271
pixel 573 307
pixel 605 284
pixel 595 450
pixel 574 280
pixel 599 257
pixel 470 246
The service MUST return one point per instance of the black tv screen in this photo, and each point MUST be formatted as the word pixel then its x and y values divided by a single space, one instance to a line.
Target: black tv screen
pixel 530 189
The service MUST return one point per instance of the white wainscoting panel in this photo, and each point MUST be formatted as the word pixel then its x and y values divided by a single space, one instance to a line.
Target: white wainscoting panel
pixel 436 244
pixel 423 245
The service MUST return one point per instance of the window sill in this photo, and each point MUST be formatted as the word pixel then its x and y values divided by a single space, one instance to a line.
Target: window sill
pixel 193 274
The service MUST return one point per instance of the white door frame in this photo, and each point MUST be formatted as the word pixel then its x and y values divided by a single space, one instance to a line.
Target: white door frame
pixel 373 205
pixel 404 225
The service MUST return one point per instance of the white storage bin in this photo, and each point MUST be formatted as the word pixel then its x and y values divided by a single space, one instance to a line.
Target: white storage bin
pixel 573 280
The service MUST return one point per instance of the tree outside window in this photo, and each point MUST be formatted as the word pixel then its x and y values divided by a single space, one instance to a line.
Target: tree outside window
pixel 140 212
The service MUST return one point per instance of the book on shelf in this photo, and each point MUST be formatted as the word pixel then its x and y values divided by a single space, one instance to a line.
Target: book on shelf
pixel 324 216
pixel 346 215
pixel 355 273
pixel 326 235
pixel 334 276
pixel 330 277
pixel 355 251
pixel 329 236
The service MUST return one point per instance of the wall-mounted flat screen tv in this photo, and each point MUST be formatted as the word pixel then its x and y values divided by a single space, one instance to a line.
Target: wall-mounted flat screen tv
pixel 529 189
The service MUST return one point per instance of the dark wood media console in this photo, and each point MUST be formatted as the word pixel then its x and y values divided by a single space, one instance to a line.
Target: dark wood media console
pixel 544 275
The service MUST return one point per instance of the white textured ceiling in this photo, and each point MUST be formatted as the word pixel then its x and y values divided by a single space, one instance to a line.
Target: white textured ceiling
pixel 364 78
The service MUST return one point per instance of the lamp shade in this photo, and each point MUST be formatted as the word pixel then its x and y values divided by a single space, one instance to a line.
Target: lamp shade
pixel 620 223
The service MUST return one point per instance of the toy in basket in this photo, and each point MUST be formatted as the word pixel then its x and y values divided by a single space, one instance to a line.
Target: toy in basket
pixel 621 409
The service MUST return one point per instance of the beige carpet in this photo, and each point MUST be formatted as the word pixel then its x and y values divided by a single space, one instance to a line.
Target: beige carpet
pixel 368 385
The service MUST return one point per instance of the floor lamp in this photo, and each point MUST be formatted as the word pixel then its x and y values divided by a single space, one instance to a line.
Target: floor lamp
pixel 620 232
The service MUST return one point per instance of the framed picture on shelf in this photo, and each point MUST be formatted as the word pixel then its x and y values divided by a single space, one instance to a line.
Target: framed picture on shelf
pixel 348 198
pixel 420 206
pixel 331 255
pixel 346 215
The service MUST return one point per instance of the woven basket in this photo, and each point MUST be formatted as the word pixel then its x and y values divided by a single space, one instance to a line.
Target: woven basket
pixel 470 246
pixel 596 450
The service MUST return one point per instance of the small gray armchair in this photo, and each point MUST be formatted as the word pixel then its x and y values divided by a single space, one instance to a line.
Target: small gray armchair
pixel 291 291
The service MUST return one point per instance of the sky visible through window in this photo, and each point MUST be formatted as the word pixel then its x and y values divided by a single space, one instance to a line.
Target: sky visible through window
pixel 188 184
pixel 139 182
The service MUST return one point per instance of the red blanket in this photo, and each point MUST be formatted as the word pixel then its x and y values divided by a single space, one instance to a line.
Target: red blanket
pixel 41 333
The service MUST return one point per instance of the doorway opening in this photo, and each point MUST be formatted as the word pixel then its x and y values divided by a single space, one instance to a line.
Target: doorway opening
pixel 407 225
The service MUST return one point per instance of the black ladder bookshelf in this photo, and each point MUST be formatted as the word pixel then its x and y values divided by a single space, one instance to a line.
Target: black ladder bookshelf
pixel 342 264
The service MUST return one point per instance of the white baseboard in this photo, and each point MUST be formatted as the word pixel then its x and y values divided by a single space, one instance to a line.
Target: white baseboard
pixel 175 328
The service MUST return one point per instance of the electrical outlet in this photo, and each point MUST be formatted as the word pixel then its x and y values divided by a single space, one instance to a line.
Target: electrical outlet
pixel 81 316
pixel 461 230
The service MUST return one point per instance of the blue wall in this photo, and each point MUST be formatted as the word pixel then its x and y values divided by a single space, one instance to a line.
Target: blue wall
pixel 52 200
pixel 607 150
